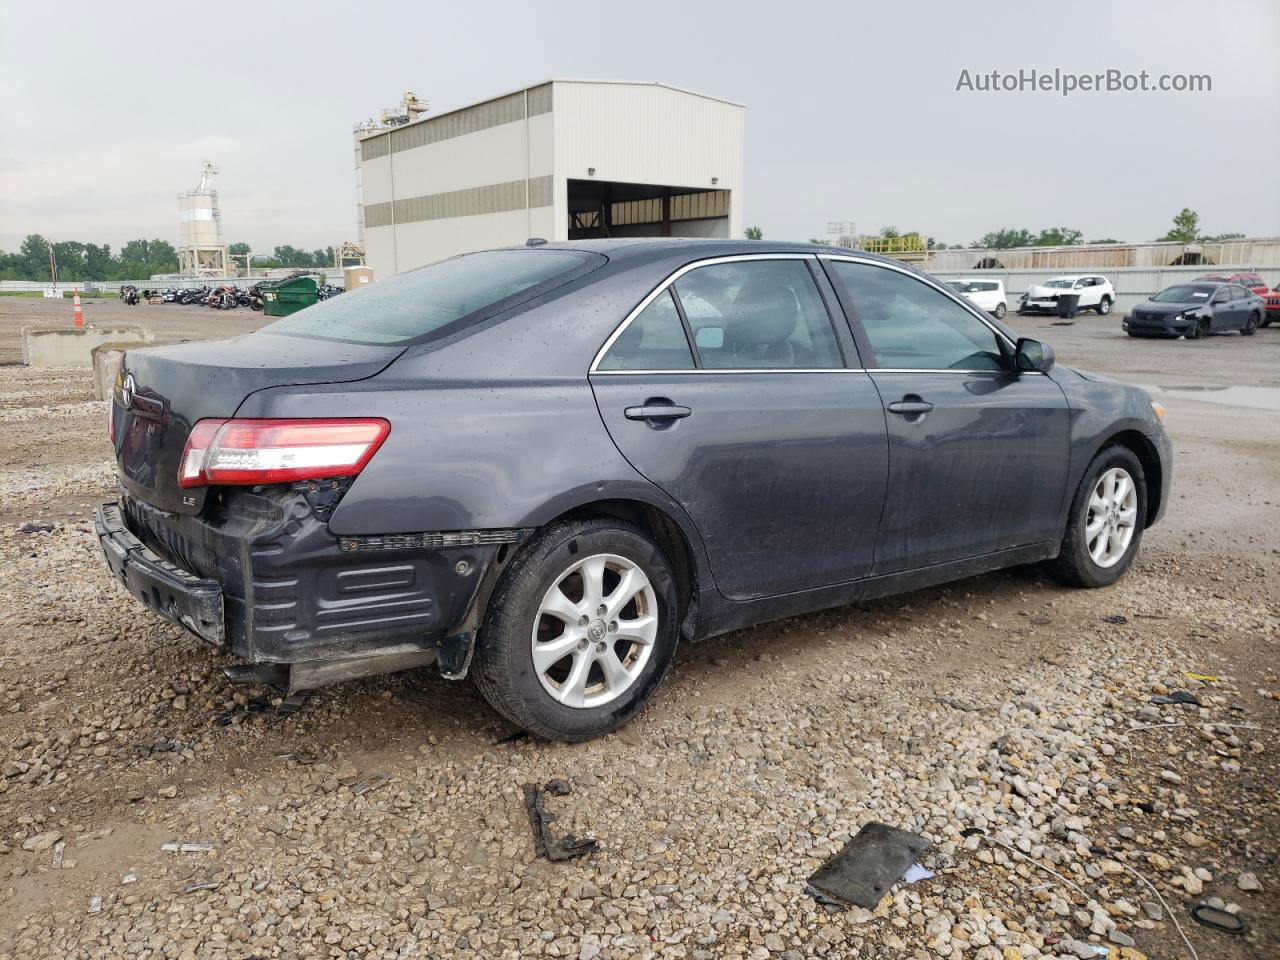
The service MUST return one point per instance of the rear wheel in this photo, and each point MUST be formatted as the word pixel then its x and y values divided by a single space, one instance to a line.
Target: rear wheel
pixel 580 630
pixel 1251 325
pixel 1104 527
pixel 1104 306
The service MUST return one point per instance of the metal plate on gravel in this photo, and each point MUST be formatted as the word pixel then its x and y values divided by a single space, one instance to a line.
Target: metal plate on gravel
pixel 869 865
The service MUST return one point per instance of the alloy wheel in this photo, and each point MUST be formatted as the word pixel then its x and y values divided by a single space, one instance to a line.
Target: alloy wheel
pixel 594 631
pixel 1112 517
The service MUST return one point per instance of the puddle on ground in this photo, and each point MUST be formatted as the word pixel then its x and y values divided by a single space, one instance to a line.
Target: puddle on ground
pixel 1257 398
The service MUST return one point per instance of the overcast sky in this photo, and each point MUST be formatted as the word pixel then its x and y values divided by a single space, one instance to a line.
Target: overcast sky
pixel 108 108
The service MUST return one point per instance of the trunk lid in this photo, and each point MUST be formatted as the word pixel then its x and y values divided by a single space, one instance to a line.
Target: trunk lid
pixel 163 391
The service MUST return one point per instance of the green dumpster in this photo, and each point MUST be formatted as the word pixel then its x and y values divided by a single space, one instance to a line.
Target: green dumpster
pixel 283 297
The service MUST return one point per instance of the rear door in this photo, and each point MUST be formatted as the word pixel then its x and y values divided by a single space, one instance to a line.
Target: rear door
pixel 978 452
pixel 729 388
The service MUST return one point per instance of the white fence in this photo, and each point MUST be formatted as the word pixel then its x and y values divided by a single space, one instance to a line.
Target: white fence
pixel 1133 284
pixel 332 276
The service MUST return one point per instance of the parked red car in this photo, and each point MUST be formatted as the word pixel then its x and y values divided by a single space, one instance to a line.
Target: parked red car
pixel 1250 280
pixel 1272 300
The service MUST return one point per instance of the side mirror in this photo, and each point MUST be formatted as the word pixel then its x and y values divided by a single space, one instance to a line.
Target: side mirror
pixel 1033 355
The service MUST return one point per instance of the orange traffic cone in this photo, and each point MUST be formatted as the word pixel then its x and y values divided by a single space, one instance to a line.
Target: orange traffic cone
pixel 76 309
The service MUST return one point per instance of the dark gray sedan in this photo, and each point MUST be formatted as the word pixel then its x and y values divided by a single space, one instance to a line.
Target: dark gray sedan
pixel 543 466
pixel 1196 310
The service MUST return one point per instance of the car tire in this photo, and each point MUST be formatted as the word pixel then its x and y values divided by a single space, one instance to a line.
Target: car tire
pixel 1196 331
pixel 1000 311
pixel 555 568
pixel 1079 563
pixel 1104 306
pixel 1251 325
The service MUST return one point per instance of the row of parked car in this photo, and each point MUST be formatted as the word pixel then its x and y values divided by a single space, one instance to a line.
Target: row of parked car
pixel 1213 303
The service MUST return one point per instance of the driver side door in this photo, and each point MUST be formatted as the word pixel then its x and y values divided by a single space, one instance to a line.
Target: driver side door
pixel 978 452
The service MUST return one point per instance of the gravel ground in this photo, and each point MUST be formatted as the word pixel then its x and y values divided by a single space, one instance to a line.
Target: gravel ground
pixel 385 818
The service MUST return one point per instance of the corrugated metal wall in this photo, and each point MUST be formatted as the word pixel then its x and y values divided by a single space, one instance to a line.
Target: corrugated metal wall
pixel 1246 254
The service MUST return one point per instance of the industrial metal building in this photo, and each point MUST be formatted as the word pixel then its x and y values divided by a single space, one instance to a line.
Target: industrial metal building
pixel 563 160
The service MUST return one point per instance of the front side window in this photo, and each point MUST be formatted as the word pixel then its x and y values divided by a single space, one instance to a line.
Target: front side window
pixel 758 314
pixel 654 340
pixel 912 326
pixel 439 299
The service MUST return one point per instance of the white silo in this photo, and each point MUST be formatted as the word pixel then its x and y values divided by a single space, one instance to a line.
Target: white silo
pixel 201 251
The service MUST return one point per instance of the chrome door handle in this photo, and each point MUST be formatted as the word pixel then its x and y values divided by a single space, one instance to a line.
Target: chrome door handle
pixel 909 408
pixel 657 411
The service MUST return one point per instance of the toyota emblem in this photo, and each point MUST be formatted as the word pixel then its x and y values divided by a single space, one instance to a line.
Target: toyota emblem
pixel 126 391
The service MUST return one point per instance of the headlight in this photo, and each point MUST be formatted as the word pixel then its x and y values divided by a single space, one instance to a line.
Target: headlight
pixel 1187 315
pixel 1158 410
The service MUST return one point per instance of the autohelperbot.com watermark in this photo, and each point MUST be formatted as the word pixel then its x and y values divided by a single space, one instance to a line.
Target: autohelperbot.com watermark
pixel 1065 82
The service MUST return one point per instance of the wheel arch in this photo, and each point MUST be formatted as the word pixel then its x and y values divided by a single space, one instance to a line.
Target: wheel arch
pixel 1153 470
pixel 668 533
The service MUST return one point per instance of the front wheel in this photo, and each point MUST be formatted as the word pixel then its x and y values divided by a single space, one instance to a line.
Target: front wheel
pixel 1251 325
pixel 1104 527
pixel 579 631
pixel 1104 306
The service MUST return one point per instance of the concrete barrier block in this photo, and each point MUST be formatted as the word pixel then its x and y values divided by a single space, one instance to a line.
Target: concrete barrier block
pixel 73 346
pixel 107 358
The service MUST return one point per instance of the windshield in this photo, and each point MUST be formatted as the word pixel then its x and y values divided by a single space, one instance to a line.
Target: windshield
pixel 1059 284
pixel 1185 293
pixel 440 298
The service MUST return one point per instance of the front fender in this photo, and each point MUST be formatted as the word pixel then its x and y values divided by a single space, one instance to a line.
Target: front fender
pixel 1101 410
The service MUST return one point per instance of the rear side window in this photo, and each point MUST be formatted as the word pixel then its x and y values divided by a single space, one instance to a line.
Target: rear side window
pixel 439 299
pixel 764 314
pixel 912 326
pixel 654 340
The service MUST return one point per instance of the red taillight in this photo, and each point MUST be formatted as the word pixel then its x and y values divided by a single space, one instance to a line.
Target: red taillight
pixel 250 452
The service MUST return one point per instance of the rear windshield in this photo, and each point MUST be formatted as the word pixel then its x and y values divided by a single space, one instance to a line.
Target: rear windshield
pixel 1185 293
pixel 438 299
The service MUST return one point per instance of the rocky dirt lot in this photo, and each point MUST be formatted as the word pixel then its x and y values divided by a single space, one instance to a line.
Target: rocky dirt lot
pixel 385 818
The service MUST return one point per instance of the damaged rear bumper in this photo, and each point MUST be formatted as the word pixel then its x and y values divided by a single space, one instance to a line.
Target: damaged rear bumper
pixel 260 573
pixel 177 595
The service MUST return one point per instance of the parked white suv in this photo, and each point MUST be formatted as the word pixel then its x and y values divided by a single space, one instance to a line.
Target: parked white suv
pixel 1095 292
pixel 986 295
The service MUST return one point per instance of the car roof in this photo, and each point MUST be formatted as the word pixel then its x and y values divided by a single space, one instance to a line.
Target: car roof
pixel 692 248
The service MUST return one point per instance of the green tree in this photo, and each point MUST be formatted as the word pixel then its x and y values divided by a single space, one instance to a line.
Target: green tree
pixel 1059 237
pixel 34 252
pixel 1221 237
pixel 1186 227
pixel 753 233
pixel 889 233
pixel 1106 240
pixel 821 243
pixel 1005 239
pixel 238 249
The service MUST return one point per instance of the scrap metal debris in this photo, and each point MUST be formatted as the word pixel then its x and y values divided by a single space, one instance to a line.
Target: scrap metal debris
pixel 186 847
pixel 1217 919
pixel 1177 696
pixel 1117 618
pixel 868 865
pixel 545 844
pixel 267 705
pixel 373 782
